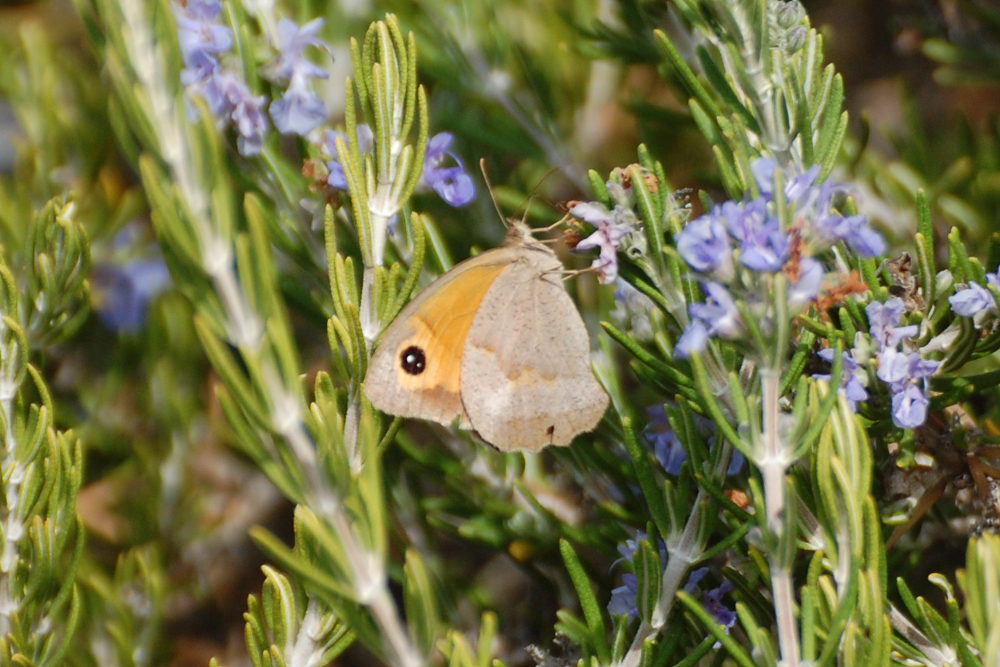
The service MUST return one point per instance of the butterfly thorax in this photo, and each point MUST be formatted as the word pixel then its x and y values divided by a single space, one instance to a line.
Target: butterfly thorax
pixel 519 233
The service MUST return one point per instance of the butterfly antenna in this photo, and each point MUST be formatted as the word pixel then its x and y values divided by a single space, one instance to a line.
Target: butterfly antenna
pixel 534 193
pixel 489 188
pixel 528 200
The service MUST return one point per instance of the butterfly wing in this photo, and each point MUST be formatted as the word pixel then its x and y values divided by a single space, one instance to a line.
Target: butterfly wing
pixel 528 356
pixel 415 370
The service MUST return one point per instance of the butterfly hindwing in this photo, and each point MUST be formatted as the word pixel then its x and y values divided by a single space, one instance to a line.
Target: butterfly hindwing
pixel 534 385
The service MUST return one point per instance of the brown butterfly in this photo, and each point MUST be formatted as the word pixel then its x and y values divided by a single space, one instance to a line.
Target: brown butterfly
pixel 498 343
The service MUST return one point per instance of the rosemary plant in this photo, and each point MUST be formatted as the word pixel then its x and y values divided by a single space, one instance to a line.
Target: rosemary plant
pixel 799 344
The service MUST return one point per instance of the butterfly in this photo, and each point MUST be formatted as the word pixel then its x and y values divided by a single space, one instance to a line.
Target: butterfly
pixel 496 343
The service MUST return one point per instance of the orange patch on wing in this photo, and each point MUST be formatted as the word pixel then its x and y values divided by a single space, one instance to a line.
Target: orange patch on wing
pixel 440 327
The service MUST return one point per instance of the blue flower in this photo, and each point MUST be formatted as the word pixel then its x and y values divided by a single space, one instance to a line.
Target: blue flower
pixel 883 322
pixel 217 88
pixel 712 598
pixel 299 110
pixel 123 293
pixel 693 340
pixel 972 300
pixel 667 447
pixel 250 121
pixel 856 233
pixel 763 174
pixel 908 377
pixel 452 184
pixel 230 100
pixel 366 144
pixel 895 366
pixel 909 405
pixel 808 285
pixel 293 40
pixel 861 238
pixel 975 300
pixel 630 546
pixel 851 377
pixel 717 316
pixel 227 95
pixel 719 312
pixel 200 37
pixel 704 245
pixel 905 371
pixel 816 204
pixel 800 189
pixel 624 599
pixel 831 225
pixel 764 245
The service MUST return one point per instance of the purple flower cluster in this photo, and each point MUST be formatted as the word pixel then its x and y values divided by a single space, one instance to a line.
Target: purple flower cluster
pixel 738 246
pixel 718 316
pixel 452 183
pixel 299 110
pixel 817 208
pixel 667 447
pixel 203 40
pixel 612 228
pixel 123 292
pixel 899 365
pixel 712 598
pixel 624 598
pixel 125 285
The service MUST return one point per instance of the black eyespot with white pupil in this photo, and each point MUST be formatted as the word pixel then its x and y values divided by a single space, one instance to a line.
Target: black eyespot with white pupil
pixel 413 360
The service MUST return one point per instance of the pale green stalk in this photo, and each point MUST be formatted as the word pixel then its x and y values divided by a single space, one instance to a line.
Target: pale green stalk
pixel 14 474
pixel 773 465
